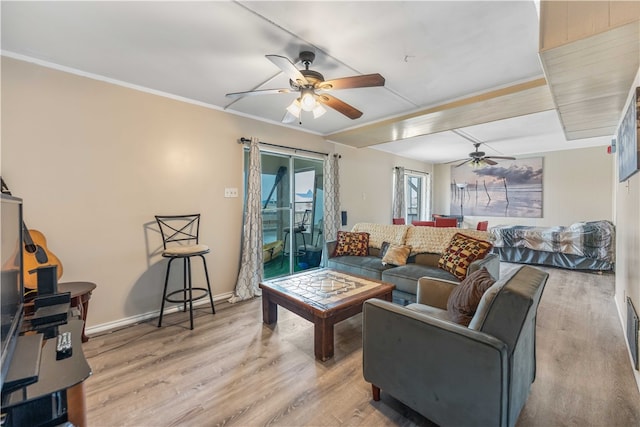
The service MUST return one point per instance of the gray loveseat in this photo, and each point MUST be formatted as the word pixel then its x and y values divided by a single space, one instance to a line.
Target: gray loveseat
pixel 427 245
pixel 456 375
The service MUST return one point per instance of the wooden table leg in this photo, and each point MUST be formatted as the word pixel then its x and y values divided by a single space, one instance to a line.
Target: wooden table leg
pixel 376 392
pixel 77 406
pixel 323 339
pixel 84 309
pixel 269 309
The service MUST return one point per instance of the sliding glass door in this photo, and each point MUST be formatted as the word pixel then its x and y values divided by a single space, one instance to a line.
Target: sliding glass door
pixel 291 213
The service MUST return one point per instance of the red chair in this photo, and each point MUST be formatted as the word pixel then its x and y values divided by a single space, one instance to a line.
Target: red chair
pixel 482 225
pixel 398 221
pixel 446 222
pixel 424 223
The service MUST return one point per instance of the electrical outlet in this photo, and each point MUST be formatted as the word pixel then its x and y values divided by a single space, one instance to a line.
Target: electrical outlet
pixel 230 192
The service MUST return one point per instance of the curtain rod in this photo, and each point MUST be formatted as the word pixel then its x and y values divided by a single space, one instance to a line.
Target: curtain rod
pixel 411 170
pixel 244 140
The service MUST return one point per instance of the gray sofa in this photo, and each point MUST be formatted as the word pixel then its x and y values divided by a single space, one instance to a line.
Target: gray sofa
pixel 427 244
pixel 455 375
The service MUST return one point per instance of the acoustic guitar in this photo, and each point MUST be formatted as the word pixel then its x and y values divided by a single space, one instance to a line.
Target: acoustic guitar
pixel 35 253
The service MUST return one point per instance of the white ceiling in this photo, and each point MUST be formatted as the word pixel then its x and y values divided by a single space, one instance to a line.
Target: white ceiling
pixel 429 52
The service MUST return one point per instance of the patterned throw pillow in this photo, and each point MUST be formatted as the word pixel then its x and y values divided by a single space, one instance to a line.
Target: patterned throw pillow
pixel 351 243
pixel 462 251
pixel 396 255
pixel 464 299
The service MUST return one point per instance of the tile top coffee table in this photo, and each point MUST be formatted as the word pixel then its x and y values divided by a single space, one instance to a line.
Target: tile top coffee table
pixel 324 297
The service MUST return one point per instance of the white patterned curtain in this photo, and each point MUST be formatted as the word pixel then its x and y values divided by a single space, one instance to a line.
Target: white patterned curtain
pixel 251 266
pixel 332 218
pixel 398 193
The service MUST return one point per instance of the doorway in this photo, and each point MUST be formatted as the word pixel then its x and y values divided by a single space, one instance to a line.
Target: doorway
pixel 292 212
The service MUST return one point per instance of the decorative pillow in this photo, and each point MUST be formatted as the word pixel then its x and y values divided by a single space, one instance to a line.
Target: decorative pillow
pixel 462 251
pixel 351 243
pixel 464 299
pixel 396 255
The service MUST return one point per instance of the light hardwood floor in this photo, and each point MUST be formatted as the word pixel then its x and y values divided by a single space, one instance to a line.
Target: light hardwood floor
pixel 232 370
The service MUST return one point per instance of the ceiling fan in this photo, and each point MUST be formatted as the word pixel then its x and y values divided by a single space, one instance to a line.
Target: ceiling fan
pixel 477 158
pixel 312 85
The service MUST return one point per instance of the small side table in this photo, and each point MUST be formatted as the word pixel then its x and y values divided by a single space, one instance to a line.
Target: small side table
pixel 80 296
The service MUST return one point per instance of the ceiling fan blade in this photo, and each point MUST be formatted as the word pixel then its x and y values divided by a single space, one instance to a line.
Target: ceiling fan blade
pixel 464 163
pixel 288 69
pixel 257 92
pixel 340 106
pixel 489 161
pixel 367 80
pixel 500 157
pixel 457 160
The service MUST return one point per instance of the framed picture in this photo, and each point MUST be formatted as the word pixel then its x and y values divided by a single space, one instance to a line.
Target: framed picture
pixel 512 188
pixel 628 154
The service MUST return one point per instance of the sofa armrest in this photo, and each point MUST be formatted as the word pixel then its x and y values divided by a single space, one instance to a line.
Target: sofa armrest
pixel 434 292
pixel 491 262
pixel 451 374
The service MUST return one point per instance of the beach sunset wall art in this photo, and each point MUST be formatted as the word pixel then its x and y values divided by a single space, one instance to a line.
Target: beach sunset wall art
pixel 512 188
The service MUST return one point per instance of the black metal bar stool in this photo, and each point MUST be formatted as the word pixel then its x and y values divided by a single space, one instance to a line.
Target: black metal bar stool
pixel 181 241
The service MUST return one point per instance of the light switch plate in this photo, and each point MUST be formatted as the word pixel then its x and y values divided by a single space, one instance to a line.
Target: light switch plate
pixel 230 192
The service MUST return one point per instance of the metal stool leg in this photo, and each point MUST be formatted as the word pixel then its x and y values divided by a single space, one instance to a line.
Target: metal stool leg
pixel 185 270
pixel 188 267
pixel 164 292
pixel 206 275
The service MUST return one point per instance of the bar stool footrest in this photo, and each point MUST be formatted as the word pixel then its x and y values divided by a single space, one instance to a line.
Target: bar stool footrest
pixel 205 293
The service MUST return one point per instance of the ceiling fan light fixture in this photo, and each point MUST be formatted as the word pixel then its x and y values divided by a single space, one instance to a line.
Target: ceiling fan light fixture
pixel 478 164
pixel 308 100
pixel 318 110
pixel 295 108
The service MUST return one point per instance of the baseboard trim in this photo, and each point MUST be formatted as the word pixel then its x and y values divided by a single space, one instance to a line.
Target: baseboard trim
pixel 121 323
pixel 623 324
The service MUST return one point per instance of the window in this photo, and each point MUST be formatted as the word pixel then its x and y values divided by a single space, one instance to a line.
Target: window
pixel 417 196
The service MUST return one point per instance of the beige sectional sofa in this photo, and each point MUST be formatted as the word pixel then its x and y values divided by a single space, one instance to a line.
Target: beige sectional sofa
pixel 427 245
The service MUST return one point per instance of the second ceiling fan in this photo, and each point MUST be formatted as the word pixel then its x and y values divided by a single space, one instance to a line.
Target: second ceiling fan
pixel 312 87
pixel 477 158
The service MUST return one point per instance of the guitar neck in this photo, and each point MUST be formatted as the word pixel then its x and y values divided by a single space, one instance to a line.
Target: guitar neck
pixel 27 240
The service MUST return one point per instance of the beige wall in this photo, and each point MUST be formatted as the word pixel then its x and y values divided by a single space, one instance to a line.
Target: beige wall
pixel 577 186
pixel 628 242
pixel 366 183
pixel 94 162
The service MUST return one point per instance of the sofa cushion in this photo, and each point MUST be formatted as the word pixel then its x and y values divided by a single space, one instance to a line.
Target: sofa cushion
pixel 464 299
pixel 431 311
pixel 396 255
pixel 406 277
pixel 350 243
pixel 367 266
pixel 461 252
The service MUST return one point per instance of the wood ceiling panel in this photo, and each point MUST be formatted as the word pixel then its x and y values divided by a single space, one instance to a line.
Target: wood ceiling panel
pixel 590 80
pixel 525 98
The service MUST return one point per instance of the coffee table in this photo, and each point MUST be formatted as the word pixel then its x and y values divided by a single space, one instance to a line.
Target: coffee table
pixel 322 296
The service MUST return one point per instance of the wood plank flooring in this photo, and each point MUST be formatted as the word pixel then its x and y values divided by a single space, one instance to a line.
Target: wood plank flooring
pixel 232 370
